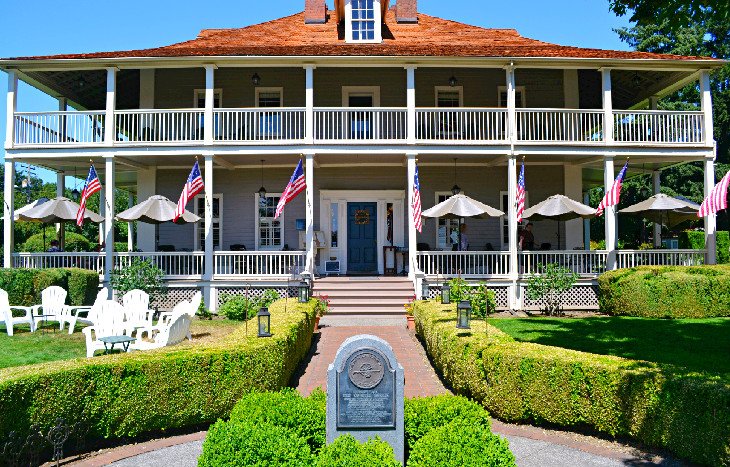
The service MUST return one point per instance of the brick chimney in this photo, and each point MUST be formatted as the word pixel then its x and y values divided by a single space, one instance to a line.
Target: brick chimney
pixel 406 11
pixel 315 11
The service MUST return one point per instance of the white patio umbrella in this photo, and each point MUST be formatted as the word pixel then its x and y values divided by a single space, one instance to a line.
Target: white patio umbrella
pixel 459 206
pixel 27 207
pixel 664 210
pixel 559 208
pixel 155 210
pixel 59 209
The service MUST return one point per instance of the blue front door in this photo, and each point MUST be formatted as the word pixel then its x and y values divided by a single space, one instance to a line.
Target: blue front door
pixel 362 238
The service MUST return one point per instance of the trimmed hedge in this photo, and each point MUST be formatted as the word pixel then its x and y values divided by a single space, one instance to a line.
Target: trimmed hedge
pixel 658 405
pixel 24 286
pixel 666 291
pixel 695 240
pixel 72 242
pixel 125 395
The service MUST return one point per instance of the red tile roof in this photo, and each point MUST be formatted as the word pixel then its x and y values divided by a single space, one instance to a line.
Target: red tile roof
pixel 430 37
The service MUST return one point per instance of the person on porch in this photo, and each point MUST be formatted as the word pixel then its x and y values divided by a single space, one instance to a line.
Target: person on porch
pixel 527 239
pixel 463 238
pixel 55 247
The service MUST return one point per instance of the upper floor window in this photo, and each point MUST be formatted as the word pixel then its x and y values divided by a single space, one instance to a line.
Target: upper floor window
pixel 363 21
pixel 519 96
pixel 199 209
pixel 199 100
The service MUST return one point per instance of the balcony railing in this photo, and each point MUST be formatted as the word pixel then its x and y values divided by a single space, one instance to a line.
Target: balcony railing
pixel 583 263
pixel 175 264
pixel 258 264
pixel 88 261
pixel 350 125
pixel 447 264
pixel 633 258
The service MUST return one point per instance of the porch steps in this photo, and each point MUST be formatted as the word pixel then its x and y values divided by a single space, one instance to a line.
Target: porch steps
pixel 363 297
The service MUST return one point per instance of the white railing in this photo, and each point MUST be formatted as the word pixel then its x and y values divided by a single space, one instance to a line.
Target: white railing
pixel 259 125
pixel 46 260
pixel 360 124
pixel 175 264
pixel 40 128
pixel 633 258
pixel 560 125
pixel 270 264
pixel 159 126
pixel 581 262
pixel 461 124
pixel 466 264
pixel 658 126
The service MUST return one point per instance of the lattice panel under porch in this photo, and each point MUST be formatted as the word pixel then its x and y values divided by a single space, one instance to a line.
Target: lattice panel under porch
pixel 500 295
pixel 253 292
pixel 580 297
pixel 174 296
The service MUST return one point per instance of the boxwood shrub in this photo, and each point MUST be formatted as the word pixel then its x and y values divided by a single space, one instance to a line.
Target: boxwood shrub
pixel 72 242
pixel 24 286
pixel 695 240
pixel 666 291
pixel 657 405
pixel 125 395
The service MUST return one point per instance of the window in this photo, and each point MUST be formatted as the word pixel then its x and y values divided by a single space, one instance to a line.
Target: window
pixel 448 122
pixel 504 206
pixel 270 232
pixel 363 21
pixel 269 123
pixel 519 96
pixel 334 215
pixel 199 101
pixel 217 222
pixel 447 230
pixel 447 96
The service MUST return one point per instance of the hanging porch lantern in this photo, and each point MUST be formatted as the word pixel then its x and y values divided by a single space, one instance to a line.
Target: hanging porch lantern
pixel 303 289
pixel 463 315
pixel 445 294
pixel 264 319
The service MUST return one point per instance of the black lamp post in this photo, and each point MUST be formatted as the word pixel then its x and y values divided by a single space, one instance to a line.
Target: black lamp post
pixel 424 290
pixel 303 290
pixel 445 294
pixel 264 318
pixel 463 314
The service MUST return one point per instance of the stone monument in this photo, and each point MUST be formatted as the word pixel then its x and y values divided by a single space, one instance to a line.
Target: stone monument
pixel 365 393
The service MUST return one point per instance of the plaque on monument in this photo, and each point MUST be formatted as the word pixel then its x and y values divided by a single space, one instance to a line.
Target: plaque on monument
pixel 365 393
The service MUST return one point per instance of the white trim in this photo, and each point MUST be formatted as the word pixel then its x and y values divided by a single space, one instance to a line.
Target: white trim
pixel 259 90
pixel 377 18
pixel 201 226
pixel 437 89
pixel 518 89
pixel 257 246
pixel 201 92
pixel 347 91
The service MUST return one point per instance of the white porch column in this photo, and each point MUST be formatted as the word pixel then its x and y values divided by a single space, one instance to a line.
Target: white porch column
pixel 130 225
pixel 11 107
pixel 586 225
pixel 8 212
pixel 111 102
pixel 514 299
pixel 208 123
pixel 411 103
pixel 511 105
pixel 706 104
pixel 610 215
pixel 62 107
pixel 412 240
pixel 309 213
pixel 60 189
pixel 146 187
pixel 710 221
pixel 309 103
pixel 108 217
pixel 208 219
pixel 656 182
pixel 607 98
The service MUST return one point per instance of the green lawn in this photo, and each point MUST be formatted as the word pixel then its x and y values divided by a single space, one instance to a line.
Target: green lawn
pixel 26 348
pixel 696 344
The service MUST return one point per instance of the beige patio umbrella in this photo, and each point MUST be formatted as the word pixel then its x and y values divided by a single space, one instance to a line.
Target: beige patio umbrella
pixel 155 210
pixel 664 209
pixel 459 206
pixel 27 207
pixel 57 210
pixel 559 208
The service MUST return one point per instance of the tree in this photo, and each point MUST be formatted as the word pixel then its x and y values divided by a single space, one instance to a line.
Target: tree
pixel 676 13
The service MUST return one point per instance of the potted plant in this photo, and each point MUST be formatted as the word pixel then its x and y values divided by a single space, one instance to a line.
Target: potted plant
pixel 410 319
pixel 322 306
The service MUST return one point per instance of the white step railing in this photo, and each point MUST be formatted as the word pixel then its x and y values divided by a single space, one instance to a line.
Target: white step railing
pixel 42 128
pixel 259 125
pixel 360 124
pixel 175 264
pixel 658 126
pixel 461 124
pixel 581 262
pixel 465 264
pixel 89 261
pixel 559 125
pixel 159 126
pixel 270 264
pixel 633 258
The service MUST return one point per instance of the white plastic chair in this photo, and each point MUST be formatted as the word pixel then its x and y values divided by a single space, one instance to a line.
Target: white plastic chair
pixel 137 308
pixel 109 322
pixel 184 307
pixel 6 314
pixel 86 314
pixel 171 334
pixel 53 306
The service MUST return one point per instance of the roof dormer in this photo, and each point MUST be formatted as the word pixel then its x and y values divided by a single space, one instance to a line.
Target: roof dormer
pixel 363 21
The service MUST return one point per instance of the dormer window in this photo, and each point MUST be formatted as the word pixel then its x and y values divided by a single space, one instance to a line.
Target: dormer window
pixel 363 21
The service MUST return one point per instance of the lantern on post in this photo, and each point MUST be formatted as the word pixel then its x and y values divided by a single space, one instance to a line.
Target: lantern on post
pixel 303 289
pixel 463 315
pixel 424 290
pixel 264 318
pixel 445 294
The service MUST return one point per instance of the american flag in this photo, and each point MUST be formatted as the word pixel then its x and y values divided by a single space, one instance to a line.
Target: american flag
pixel 521 193
pixel 613 195
pixel 717 199
pixel 416 202
pixel 296 185
pixel 92 185
pixel 193 186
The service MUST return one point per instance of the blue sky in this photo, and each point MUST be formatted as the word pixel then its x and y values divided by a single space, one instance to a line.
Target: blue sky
pixel 50 27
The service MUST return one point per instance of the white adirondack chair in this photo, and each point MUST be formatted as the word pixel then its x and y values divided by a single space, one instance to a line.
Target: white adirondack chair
pixel 6 314
pixel 171 334
pixel 86 314
pixel 53 306
pixel 195 301
pixel 137 308
pixel 109 322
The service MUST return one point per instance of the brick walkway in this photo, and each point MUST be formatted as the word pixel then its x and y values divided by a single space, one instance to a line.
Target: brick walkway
pixel 421 380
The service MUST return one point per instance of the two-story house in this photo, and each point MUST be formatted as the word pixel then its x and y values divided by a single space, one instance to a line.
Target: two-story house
pixel 362 93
